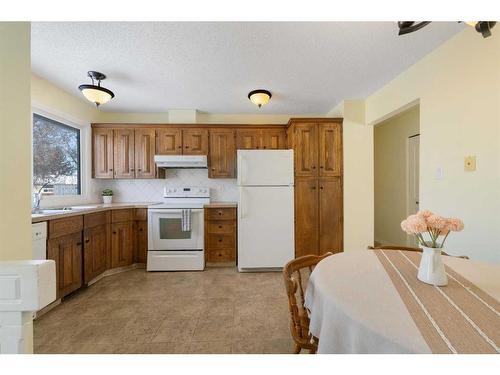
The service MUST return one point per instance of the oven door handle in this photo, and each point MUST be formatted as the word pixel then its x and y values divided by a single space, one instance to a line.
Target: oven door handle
pixel 172 210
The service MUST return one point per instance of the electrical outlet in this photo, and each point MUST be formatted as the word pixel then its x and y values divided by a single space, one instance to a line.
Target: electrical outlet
pixel 470 163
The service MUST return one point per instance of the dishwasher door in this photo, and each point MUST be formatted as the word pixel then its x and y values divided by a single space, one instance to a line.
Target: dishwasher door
pixel 39 240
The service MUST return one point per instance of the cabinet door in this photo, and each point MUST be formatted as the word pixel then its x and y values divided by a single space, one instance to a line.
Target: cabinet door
pixel 144 153
pixel 121 244
pixel 95 243
pixel 123 147
pixel 222 154
pixel 168 142
pixel 306 150
pixel 141 243
pixel 306 217
pixel 273 139
pixel 330 150
pixel 53 254
pixel 102 153
pixel 69 249
pixel 195 142
pixel 331 226
pixel 248 139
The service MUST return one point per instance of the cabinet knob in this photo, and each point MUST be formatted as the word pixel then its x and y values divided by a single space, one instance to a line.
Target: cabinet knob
pixel 314 187
pixel 78 243
pixel 180 147
pixel 220 226
pixel 213 169
pixel 314 167
pixel 139 169
pixel 321 187
pixel 220 213
pixel 187 146
pixel 87 240
pixel 111 170
pixel 321 167
pixel 132 169
pixel 140 230
pixel 220 239
pixel 114 232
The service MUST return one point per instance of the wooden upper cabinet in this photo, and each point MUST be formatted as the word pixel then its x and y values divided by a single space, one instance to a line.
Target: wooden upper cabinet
pixel 248 139
pixel 168 141
pixel 330 150
pixel 330 215
pixel 222 154
pixel 195 142
pixel 123 153
pixel 273 139
pixel 306 216
pixel 306 150
pixel 144 153
pixel 102 151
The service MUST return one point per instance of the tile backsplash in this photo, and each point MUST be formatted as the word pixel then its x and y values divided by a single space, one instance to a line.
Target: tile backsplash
pixel 152 190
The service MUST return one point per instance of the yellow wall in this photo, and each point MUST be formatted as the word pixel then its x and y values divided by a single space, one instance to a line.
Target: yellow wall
pixel 358 174
pixel 390 139
pixel 15 141
pixel 458 86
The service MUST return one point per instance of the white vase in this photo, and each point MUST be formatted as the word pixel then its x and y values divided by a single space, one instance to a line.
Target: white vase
pixel 431 269
pixel 107 199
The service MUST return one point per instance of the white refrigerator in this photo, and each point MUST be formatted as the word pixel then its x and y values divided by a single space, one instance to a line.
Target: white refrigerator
pixel 265 209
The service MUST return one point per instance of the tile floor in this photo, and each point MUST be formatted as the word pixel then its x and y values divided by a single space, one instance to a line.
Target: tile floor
pixel 215 311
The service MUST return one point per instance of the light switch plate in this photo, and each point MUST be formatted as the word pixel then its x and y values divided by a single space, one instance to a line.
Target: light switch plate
pixel 470 163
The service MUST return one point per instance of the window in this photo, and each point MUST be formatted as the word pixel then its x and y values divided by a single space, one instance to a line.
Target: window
pixel 56 157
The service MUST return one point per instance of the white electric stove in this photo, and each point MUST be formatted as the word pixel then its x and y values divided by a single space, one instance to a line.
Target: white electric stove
pixel 173 246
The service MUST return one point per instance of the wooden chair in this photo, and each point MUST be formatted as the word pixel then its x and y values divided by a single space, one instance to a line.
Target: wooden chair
pixel 406 248
pixel 296 274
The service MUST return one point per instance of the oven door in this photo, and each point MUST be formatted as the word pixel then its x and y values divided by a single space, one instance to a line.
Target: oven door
pixel 165 230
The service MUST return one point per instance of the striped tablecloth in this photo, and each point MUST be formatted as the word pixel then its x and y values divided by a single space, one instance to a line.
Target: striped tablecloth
pixel 371 302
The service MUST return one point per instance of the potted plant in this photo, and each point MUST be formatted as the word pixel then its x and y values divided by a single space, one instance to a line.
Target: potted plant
pixel 107 196
pixel 431 269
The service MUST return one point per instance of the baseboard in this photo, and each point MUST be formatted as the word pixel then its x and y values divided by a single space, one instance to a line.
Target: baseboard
pixel 115 271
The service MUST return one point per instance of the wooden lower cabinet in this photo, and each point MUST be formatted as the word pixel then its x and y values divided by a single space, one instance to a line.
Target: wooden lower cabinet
pixel 95 248
pixel 331 236
pixel 306 216
pixel 66 251
pixel 122 242
pixel 220 234
pixel 141 242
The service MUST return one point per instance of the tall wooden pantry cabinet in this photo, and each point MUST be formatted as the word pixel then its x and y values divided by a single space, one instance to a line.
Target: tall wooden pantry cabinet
pixel 317 145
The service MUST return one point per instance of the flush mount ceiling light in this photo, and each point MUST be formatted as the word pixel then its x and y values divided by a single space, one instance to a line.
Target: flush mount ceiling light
pixel 482 27
pixel 259 97
pixel 95 93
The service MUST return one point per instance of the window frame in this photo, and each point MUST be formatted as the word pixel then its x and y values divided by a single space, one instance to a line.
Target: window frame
pixel 72 123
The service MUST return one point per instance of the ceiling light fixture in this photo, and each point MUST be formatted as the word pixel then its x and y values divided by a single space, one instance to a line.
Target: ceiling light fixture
pixel 482 27
pixel 259 97
pixel 95 93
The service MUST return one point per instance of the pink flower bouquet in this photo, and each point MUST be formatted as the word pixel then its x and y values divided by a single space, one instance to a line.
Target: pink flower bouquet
pixel 434 225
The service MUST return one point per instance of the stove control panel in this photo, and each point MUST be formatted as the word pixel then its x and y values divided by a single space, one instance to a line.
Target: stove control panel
pixel 186 192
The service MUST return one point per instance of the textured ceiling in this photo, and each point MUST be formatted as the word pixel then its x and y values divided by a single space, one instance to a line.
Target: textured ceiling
pixel 154 67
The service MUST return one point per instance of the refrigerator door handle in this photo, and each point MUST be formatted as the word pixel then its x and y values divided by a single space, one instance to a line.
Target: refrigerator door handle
pixel 241 169
pixel 240 208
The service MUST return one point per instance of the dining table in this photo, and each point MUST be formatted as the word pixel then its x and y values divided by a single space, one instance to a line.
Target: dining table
pixel 370 301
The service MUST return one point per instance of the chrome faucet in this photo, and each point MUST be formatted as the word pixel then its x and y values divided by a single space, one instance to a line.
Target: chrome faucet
pixel 37 197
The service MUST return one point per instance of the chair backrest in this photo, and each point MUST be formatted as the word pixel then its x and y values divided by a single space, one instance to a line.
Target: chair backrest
pixel 296 275
pixel 406 248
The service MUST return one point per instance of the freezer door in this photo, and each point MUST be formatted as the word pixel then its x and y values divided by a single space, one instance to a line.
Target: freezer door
pixel 265 167
pixel 265 227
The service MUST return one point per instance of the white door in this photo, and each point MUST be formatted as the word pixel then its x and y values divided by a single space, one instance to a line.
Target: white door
pixel 413 179
pixel 265 167
pixel 265 227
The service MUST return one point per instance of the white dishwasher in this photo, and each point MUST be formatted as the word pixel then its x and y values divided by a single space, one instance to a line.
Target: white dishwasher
pixel 39 240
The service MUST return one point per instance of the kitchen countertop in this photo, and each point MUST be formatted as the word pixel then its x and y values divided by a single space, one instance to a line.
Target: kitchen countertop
pixel 222 204
pixel 93 207
pixel 97 207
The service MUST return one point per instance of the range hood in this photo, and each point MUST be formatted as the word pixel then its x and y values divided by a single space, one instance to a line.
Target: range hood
pixel 181 161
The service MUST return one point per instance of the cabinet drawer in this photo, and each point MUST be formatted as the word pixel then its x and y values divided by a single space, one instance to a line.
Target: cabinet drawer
pixel 141 214
pixel 221 241
pixel 95 219
pixel 64 226
pixel 221 255
pixel 118 216
pixel 221 213
pixel 225 227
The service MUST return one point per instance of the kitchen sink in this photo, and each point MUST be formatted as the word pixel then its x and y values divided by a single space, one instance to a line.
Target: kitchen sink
pixel 81 207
